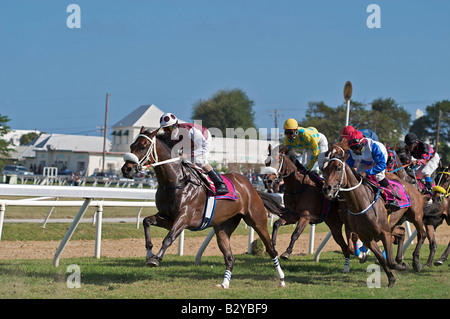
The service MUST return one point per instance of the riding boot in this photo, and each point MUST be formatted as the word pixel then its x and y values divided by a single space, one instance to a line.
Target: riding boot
pixel 429 187
pixel 391 204
pixel 221 187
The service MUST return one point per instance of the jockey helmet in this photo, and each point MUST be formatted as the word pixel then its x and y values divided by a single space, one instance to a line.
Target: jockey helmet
pixel 355 139
pixel 290 124
pixel 168 119
pixel 410 138
pixel 346 131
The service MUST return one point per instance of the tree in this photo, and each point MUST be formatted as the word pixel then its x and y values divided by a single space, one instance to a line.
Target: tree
pixel 225 109
pixel 426 127
pixel 26 139
pixel 388 120
pixel 4 145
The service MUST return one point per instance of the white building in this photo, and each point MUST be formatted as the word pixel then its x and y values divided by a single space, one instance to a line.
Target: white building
pixel 225 151
pixel 79 153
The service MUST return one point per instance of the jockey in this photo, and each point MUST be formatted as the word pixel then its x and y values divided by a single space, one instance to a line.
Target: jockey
pixel 200 140
pixel 370 157
pixel 309 139
pixel 366 132
pixel 425 157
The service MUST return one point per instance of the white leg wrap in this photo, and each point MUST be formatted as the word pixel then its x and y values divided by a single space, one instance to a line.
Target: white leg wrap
pixel 280 273
pixel 226 279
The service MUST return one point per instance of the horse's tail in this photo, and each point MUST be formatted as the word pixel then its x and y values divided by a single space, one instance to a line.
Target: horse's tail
pixel 433 215
pixel 274 206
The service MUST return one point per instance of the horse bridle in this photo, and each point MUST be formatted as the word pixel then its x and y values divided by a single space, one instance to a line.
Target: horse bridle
pixel 149 155
pixel 353 188
pixel 343 174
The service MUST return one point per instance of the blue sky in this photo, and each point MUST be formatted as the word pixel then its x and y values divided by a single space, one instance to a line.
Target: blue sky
pixel 283 54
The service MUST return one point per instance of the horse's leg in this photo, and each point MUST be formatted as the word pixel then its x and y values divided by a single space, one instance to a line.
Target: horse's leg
pixel 379 255
pixel 223 233
pixel 444 256
pixel 431 235
pixel 257 219
pixel 302 223
pixel 336 231
pixel 280 222
pixel 178 226
pixel 399 234
pixel 386 239
pixel 418 224
pixel 155 220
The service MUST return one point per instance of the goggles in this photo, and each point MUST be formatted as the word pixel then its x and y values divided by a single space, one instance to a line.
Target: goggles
pixel 169 128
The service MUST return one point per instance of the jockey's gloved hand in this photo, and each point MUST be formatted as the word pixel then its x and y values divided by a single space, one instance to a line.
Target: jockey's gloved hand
pixel 300 167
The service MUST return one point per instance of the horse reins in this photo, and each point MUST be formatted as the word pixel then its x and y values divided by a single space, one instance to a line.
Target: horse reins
pixel 353 188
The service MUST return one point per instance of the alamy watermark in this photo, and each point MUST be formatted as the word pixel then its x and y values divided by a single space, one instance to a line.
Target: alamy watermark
pixel 374 19
pixel 74 19
pixel 374 279
pixel 74 279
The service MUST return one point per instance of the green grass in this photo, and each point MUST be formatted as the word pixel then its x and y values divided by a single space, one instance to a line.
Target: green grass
pixel 179 278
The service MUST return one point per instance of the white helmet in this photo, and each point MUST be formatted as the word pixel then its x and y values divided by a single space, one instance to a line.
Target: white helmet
pixel 167 119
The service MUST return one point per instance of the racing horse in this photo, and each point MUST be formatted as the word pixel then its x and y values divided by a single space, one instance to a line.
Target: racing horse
pixel 303 196
pixel 181 197
pixel 437 212
pixel 367 216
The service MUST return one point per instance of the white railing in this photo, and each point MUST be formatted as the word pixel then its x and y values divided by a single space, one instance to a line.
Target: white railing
pixel 87 193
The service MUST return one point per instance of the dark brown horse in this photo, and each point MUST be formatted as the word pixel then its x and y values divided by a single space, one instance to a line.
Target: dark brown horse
pixel 437 212
pixel 181 197
pixel 304 197
pixel 367 213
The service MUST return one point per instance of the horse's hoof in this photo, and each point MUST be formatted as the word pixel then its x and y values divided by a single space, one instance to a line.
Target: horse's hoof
pixel 152 262
pixel 391 283
pixel 222 286
pixel 417 267
pixel 282 284
pixel 438 262
pixel 285 255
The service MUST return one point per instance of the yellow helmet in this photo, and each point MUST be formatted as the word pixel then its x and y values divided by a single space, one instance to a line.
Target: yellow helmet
pixel 290 124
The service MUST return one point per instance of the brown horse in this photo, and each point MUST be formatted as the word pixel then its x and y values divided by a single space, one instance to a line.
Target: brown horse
pixel 181 197
pixel 367 214
pixel 304 197
pixel 437 212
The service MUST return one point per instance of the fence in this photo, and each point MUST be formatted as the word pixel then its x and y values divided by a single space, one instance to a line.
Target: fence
pixel 87 193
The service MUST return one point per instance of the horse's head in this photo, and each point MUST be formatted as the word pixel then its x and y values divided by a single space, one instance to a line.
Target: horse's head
pixel 142 152
pixel 334 169
pixel 276 160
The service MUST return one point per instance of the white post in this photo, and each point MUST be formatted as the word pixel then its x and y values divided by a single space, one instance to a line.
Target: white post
pixel 181 244
pixel 347 117
pixel 205 243
pixel 48 215
pixel 2 217
pixel 251 238
pixel 70 231
pixel 98 234
pixel 408 230
pixel 311 238
pixel 321 246
pixel 409 241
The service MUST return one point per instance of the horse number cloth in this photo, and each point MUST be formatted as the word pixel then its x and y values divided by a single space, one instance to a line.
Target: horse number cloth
pixel 210 205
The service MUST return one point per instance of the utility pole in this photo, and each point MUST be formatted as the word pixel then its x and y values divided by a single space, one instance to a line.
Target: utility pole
pixel 105 132
pixel 438 129
pixel 276 114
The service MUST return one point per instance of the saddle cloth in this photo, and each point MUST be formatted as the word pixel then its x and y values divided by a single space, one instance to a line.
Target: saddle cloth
pixel 387 195
pixel 210 205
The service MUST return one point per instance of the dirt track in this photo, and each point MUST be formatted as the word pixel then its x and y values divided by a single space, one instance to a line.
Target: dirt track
pixel 136 247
